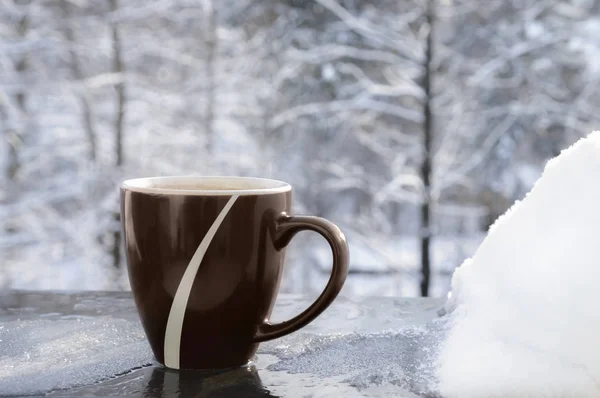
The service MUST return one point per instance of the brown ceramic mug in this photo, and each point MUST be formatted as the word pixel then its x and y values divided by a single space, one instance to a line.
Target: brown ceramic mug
pixel 205 258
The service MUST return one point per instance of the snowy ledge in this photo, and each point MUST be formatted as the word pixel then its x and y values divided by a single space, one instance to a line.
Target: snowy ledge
pixel 92 344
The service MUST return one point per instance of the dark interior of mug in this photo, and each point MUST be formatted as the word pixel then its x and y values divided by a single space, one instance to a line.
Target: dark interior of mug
pixel 206 185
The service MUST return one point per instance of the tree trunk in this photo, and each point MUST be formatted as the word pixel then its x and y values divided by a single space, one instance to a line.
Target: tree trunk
pixel 23 28
pixel 13 140
pixel 15 137
pixel 88 120
pixel 118 68
pixel 427 159
pixel 269 102
pixel 211 44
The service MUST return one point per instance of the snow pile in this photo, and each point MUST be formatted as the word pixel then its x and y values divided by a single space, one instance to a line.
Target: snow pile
pixel 525 310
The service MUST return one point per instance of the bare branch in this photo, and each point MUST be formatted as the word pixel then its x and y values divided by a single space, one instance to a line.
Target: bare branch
pixel 359 103
pixel 412 90
pixel 363 28
pixel 331 52
pixel 452 176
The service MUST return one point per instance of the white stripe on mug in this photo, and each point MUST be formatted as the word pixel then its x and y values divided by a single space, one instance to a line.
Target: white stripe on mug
pixel 177 313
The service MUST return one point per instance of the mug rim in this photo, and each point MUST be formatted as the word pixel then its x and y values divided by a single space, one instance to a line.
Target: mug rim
pixel 257 186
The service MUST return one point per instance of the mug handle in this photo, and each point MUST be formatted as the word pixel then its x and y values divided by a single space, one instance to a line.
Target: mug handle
pixel 286 227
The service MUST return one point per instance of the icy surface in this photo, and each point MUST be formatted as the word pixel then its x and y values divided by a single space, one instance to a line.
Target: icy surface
pixel 56 341
pixel 55 354
pixel 91 344
pixel 525 314
pixel 402 360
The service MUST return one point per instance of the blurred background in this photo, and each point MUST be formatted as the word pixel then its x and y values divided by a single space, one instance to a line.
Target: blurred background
pixel 412 124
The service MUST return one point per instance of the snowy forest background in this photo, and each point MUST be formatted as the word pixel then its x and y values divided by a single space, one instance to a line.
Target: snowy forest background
pixel 411 124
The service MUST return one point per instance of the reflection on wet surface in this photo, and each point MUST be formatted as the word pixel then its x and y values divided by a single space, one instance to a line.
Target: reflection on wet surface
pixel 157 381
pixel 243 382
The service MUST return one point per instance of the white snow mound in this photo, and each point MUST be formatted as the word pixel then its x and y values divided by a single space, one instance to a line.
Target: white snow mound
pixel 525 310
